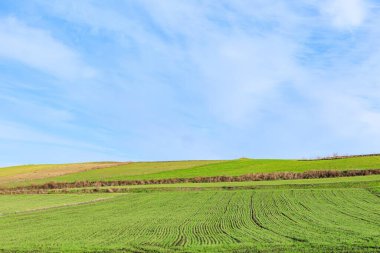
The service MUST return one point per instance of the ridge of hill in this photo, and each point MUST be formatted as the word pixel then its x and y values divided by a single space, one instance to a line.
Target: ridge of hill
pixel 113 171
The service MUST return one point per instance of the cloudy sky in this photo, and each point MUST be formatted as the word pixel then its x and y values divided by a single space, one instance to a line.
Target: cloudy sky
pixel 186 79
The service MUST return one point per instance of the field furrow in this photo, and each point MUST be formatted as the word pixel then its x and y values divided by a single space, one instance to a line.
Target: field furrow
pixel 196 221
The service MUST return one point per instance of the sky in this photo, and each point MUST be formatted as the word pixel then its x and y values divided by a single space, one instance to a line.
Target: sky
pixel 146 80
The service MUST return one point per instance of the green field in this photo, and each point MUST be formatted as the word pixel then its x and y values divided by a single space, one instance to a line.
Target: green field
pixel 202 221
pixel 372 181
pixel 20 175
pixel 189 169
pixel 27 173
pixel 28 203
pixel 302 215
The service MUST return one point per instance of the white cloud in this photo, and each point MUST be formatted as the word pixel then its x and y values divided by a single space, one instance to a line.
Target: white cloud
pixel 241 73
pixel 38 49
pixel 19 132
pixel 243 70
pixel 348 115
pixel 238 66
pixel 345 13
pixel 34 111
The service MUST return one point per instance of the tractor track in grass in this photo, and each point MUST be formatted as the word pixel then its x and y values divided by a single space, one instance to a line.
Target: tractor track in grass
pixel 325 220
pixel 58 206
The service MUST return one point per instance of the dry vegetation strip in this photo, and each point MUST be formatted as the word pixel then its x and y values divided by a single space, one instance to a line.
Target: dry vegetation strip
pixel 249 177
pixel 30 172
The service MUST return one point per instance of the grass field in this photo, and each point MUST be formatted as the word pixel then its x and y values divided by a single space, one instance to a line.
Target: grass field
pixel 372 181
pixel 28 203
pixel 26 173
pixel 189 169
pixel 254 220
pixel 305 215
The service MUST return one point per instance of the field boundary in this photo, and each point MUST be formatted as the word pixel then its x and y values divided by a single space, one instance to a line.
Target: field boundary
pixel 242 178
pixel 335 157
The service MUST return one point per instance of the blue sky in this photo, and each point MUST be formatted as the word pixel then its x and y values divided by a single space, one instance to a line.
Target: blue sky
pixel 173 79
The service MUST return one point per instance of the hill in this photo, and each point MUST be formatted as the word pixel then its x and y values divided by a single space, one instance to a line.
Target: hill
pixel 340 213
pixel 13 176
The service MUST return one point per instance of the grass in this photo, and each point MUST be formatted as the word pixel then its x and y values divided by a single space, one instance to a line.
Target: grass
pixel 372 180
pixel 19 174
pixel 26 203
pixel 246 166
pixel 270 220
pixel 88 171
pixel 339 214
pixel 190 169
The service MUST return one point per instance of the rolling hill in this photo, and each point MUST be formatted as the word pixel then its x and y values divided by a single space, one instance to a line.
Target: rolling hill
pixel 334 214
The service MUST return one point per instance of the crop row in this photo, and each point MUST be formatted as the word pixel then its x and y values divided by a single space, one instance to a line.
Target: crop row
pixel 328 219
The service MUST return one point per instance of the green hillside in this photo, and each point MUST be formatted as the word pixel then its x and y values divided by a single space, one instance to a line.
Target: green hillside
pixel 337 214
pixel 189 169
pixel 26 174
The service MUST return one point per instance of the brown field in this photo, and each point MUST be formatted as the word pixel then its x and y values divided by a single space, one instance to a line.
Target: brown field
pixel 24 173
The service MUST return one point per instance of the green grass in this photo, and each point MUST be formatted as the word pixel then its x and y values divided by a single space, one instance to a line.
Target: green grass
pixel 270 220
pixel 305 215
pixel 31 168
pixel 26 203
pixel 372 180
pixel 189 169
pixel 19 174
pixel 246 166
pixel 9 174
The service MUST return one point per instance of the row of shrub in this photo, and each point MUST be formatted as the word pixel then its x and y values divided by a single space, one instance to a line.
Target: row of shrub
pixel 247 177
pixel 336 156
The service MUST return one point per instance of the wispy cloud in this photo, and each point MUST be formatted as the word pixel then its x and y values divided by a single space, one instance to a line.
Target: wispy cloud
pixel 345 14
pixel 38 49
pixel 182 80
